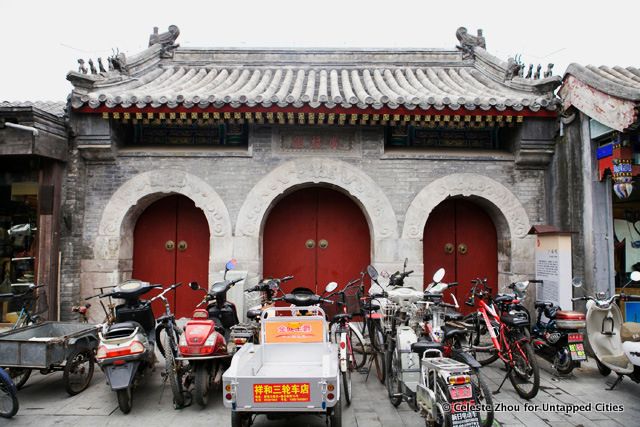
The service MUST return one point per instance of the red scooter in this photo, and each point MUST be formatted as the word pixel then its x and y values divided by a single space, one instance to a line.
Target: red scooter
pixel 204 344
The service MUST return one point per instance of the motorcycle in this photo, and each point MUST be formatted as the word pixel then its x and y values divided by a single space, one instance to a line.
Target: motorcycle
pixel 558 339
pixel 205 344
pixel 127 347
pixel 616 345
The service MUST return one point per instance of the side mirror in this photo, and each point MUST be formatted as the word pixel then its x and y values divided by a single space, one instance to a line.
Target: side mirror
pixel 439 275
pixel 231 265
pixel 194 286
pixel 577 281
pixel 331 286
pixel 372 272
pixel 635 276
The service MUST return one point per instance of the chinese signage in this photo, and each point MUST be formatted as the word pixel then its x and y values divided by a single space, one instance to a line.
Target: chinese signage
pixel 274 393
pixel 288 332
pixel 317 141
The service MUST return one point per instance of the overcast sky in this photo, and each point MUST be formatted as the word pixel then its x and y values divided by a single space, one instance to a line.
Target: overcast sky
pixel 42 40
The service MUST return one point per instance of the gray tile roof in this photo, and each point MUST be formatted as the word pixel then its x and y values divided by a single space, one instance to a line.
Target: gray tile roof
pixel 52 107
pixel 358 79
pixel 615 81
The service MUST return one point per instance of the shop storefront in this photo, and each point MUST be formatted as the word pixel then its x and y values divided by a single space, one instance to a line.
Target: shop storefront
pixel 306 162
pixel 33 150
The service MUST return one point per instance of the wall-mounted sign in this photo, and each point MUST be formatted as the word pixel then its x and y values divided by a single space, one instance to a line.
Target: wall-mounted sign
pixel 319 140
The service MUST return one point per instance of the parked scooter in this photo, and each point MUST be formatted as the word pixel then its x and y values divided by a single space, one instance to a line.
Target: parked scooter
pixel 126 349
pixel 616 344
pixel 205 344
pixel 558 339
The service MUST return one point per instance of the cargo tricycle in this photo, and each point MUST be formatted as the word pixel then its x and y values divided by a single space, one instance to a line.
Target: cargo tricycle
pixel 294 369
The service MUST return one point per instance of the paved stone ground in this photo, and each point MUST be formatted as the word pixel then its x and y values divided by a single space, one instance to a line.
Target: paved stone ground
pixel 43 402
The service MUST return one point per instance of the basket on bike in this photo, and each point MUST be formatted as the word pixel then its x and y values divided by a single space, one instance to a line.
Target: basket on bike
pixel 388 311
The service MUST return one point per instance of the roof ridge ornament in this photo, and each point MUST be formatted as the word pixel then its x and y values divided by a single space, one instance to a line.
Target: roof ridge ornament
pixel 166 40
pixel 468 42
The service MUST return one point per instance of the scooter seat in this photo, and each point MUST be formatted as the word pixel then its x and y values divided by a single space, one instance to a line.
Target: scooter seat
pixel 503 298
pixel 620 360
pixel 630 331
pixel 254 313
pixel 543 304
pixel 121 329
pixel 452 331
pixel 421 346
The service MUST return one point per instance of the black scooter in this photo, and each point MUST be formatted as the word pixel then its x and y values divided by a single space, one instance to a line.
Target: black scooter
pixel 126 349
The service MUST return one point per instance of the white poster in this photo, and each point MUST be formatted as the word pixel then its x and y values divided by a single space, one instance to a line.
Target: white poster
pixel 553 267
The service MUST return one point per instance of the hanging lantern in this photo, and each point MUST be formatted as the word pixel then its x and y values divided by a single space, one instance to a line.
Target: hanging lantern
pixel 622 178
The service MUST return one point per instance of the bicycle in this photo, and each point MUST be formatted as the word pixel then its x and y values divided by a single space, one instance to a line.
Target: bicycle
pixel 26 317
pixel 372 326
pixel 351 348
pixel 167 338
pixel 507 323
pixel 109 309
pixel 8 396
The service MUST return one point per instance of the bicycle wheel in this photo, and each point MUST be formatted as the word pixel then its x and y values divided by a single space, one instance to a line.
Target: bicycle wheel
pixel 377 349
pixel 358 351
pixel 482 347
pixel 525 374
pixel 162 338
pixel 394 388
pixel 19 376
pixel 346 386
pixel 483 397
pixel 8 396
pixel 173 372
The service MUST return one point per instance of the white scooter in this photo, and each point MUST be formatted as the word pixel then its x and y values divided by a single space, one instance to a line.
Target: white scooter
pixel 616 344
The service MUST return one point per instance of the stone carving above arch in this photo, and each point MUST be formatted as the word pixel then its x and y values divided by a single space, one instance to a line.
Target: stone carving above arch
pixel 359 185
pixel 465 184
pixel 111 241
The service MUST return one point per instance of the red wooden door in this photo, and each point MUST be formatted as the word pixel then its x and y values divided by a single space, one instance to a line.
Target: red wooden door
pixel 172 219
pixel 334 226
pixel 461 237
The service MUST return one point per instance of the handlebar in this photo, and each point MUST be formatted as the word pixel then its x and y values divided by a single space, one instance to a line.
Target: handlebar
pixel 161 294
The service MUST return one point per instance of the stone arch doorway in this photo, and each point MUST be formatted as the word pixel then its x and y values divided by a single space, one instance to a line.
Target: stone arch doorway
pixel 461 237
pixel 515 250
pixel 170 245
pixel 318 235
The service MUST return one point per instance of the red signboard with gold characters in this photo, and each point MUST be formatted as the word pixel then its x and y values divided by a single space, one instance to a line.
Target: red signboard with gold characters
pixel 274 393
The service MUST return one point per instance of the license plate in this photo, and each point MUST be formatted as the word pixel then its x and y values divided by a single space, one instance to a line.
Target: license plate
pixel 465 419
pixel 461 392
pixel 577 351
pixel 575 338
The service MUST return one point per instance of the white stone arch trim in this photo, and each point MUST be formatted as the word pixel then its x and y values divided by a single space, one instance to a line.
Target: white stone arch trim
pixel 355 182
pixel 465 184
pixel 115 229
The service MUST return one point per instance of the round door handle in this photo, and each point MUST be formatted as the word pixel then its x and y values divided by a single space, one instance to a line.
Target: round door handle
pixel 182 246
pixel 310 244
pixel 169 245
pixel 448 248
pixel 462 248
pixel 323 244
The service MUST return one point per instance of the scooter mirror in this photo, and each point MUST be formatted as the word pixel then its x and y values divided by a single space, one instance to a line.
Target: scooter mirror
pixel 231 265
pixel 439 275
pixel 331 286
pixel 635 276
pixel 372 272
pixel 194 286
pixel 577 282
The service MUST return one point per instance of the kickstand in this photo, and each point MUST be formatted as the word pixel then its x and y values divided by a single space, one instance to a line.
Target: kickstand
pixel 616 382
pixel 509 369
pixel 369 369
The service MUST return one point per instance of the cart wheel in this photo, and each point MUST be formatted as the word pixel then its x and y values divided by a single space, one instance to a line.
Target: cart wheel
pixel 240 419
pixel 78 371
pixel 8 396
pixel 19 376
pixel 125 399
pixel 335 417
